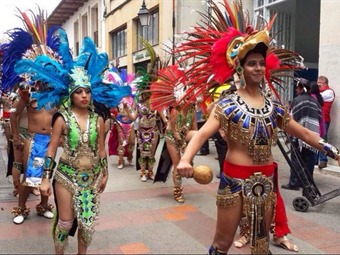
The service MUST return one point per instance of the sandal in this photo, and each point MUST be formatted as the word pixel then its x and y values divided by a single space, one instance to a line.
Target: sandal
pixel 284 243
pixel 243 241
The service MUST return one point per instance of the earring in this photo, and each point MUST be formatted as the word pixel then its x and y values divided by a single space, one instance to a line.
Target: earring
pixel 239 78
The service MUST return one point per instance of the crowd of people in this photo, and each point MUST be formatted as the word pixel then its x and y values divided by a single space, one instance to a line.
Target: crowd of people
pixel 52 100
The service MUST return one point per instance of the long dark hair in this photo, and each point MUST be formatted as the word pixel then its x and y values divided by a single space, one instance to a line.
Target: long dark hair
pixel 314 89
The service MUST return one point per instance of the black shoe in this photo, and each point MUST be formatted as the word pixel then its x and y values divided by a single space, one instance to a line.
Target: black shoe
pixel 201 153
pixel 287 186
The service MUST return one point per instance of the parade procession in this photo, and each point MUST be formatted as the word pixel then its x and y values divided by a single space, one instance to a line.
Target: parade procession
pixel 172 130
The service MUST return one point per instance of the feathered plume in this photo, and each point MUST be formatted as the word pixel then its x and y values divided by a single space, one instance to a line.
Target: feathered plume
pixel 20 42
pixel 168 89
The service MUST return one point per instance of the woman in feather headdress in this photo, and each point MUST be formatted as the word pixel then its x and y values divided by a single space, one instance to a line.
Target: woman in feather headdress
pixel 148 120
pixel 169 92
pixel 122 136
pixel 82 171
pixel 249 117
pixel 76 87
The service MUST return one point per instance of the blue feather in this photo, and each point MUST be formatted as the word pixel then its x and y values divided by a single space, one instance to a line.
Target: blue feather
pixel 109 94
pixel 49 71
pixel 52 40
pixel 64 50
pixel 20 41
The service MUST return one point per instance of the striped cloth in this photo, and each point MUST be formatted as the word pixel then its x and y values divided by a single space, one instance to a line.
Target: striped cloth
pixel 306 110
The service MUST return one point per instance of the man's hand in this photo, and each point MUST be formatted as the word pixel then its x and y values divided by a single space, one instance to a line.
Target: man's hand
pixel 45 188
pixel 185 169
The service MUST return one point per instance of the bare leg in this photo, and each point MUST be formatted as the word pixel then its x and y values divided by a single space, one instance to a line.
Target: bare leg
pixel 65 215
pixel 175 157
pixel 17 168
pixel 229 216
pixel 131 145
pixel 82 248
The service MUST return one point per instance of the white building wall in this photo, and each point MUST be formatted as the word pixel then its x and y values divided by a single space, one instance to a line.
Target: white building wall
pixel 77 16
pixel 329 60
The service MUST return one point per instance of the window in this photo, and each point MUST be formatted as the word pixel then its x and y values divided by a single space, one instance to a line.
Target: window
pixel 94 24
pixel 149 32
pixel 119 43
pixel 84 26
pixel 76 37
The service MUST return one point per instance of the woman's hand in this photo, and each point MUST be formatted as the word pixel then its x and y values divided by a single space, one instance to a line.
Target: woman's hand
pixel 185 169
pixel 103 184
pixel 45 188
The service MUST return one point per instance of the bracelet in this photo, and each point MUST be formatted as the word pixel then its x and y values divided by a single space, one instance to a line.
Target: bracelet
pixel 49 163
pixel 104 166
pixel 329 150
pixel 47 174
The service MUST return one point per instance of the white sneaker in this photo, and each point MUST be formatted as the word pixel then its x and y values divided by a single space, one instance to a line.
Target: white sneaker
pixel 151 176
pixel 19 219
pixel 143 178
pixel 121 166
pixel 48 215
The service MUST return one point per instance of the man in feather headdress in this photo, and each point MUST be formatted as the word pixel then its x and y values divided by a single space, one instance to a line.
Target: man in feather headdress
pixel 39 128
pixel 34 41
pixel 227 47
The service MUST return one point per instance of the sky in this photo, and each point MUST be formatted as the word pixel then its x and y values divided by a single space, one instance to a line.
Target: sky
pixel 8 12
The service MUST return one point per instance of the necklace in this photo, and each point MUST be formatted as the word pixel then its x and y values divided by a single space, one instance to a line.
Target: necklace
pixel 85 135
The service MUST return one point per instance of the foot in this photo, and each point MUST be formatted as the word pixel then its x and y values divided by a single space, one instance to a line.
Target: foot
pixel 322 165
pixel 19 219
pixel 150 175
pixel 178 194
pixel 285 244
pixel 20 214
pixel 120 164
pixel 287 186
pixel 179 199
pixel 243 241
pixel 202 153
pixel 143 178
pixel 45 211
pixel 48 215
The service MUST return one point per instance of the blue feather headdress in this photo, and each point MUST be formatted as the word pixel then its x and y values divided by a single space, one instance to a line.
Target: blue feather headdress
pixel 29 43
pixel 65 76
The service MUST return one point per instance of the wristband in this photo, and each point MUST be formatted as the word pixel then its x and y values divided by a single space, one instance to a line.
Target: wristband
pixel 49 163
pixel 47 174
pixel 329 150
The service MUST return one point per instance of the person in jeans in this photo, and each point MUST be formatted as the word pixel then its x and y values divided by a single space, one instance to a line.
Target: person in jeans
pixel 328 96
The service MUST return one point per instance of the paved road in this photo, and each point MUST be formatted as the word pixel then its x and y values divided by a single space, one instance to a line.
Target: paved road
pixel 143 218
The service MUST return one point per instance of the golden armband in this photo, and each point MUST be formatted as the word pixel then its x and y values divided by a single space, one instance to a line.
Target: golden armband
pixel 104 166
pixel 329 150
pixel 49 165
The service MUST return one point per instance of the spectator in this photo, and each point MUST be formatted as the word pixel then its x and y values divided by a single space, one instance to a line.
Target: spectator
pixel 305 110
pixel 328 96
